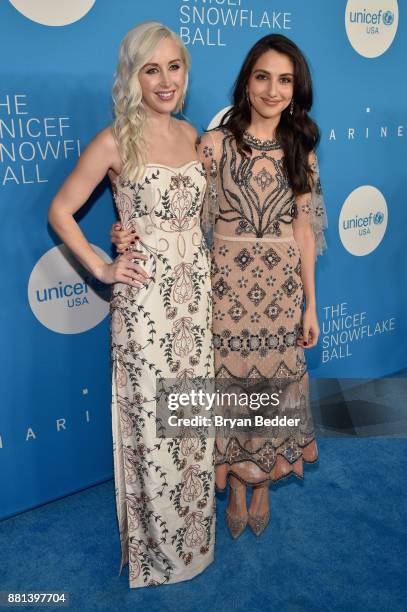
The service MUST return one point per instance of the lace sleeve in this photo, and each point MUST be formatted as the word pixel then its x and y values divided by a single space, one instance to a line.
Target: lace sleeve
pixel 210 207
pixel 310 208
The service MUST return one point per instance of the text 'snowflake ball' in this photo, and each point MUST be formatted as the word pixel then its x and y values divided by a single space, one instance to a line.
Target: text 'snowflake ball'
pixel 53 12
pixel 363 220
pixel 371 26
pixel 64 296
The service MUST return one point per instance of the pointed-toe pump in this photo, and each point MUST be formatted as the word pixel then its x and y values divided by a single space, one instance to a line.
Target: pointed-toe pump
pixel 258 522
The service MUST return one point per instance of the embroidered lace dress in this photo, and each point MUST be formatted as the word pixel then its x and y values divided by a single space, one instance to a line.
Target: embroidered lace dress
pixel 164 486
pixel 258 300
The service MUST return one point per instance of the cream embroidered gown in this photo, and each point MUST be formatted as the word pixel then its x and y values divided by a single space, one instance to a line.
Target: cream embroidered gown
pixel 164 486
pixel 257 301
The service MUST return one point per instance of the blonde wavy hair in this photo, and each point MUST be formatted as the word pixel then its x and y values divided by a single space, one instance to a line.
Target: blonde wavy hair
pixel 136 50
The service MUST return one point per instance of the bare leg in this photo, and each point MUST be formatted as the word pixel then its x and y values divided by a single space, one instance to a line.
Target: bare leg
pixel 236 511
pixel 260 499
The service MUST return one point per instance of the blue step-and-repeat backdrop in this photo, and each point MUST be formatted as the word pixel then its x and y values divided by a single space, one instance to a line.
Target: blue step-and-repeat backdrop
pixel 58 60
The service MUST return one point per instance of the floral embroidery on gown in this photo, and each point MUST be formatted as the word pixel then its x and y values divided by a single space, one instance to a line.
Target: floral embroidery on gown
pixel 258 299
pixel 164 486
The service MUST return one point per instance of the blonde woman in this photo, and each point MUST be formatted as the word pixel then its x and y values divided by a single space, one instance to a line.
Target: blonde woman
pixel 160 308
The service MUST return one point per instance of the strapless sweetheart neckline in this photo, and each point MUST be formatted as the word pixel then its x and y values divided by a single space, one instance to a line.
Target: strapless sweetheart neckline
pixel 190 163
pixel 175 168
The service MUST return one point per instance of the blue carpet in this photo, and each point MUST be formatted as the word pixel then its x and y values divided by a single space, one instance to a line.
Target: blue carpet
pixel 336 541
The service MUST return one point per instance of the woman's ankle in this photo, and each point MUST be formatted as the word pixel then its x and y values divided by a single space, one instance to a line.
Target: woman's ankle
pixel 260 498
pixel 236 484
pixel 237 504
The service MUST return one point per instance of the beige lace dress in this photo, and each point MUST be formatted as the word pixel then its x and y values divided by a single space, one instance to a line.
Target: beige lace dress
pixel 257 303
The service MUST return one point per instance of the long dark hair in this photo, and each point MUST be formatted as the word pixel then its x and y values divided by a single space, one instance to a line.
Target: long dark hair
pixel 297 134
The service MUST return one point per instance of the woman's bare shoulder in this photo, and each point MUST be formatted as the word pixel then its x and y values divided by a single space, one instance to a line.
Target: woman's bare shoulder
pixel 188 129
pixel 105 144
pixel 106 139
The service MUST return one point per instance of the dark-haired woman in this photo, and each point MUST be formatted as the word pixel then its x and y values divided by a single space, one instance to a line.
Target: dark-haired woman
pixel 266 205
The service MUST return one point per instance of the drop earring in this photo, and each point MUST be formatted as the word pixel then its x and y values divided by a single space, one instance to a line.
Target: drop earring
pixel 247 97
pixel 292 106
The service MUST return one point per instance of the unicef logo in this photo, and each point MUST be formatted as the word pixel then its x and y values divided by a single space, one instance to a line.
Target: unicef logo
pixel 388 18
pixel 217 118
pixel 53 12
pixel 363 220
pixel 64 296
pixel 371 26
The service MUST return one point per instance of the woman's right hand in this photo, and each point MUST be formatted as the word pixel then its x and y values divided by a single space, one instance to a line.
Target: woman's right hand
pixel 122 238
pixel 124 270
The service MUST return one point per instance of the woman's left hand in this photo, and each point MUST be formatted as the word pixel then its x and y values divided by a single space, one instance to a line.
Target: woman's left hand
pixel 310 328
